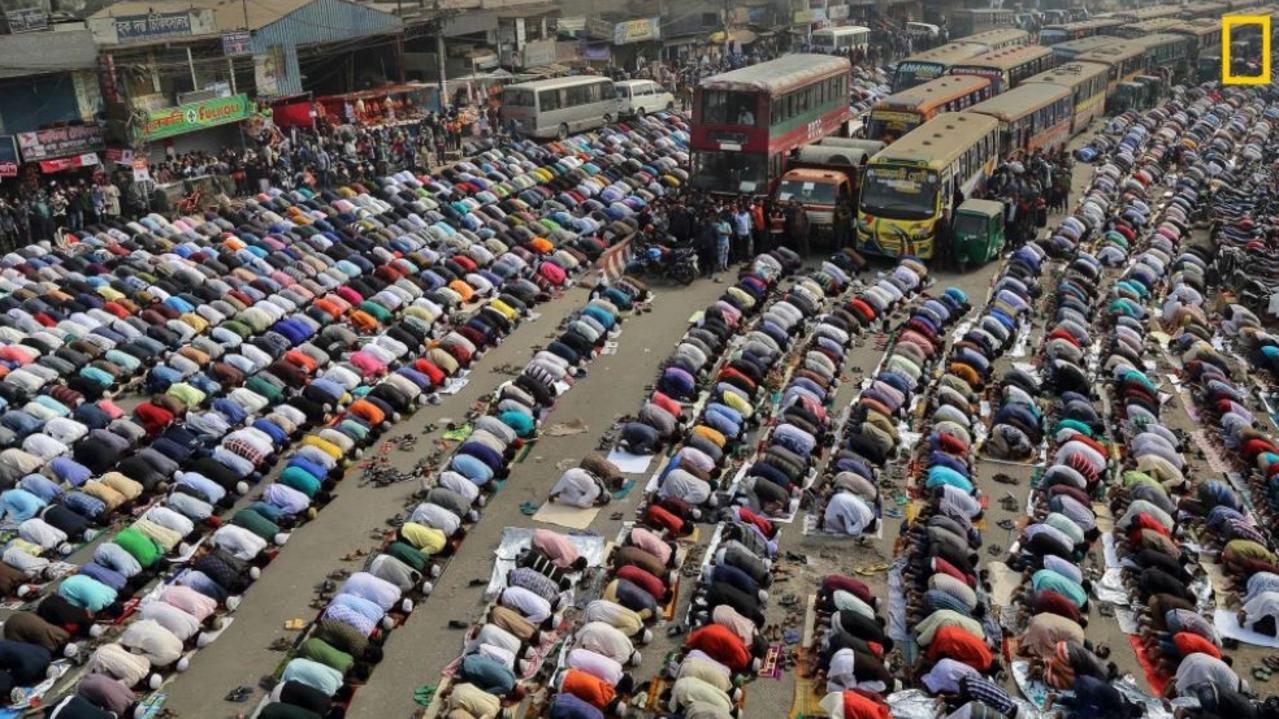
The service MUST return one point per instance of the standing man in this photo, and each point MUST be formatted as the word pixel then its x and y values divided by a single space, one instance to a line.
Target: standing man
pixel 743 244
pixel 759 226
pixel 797 228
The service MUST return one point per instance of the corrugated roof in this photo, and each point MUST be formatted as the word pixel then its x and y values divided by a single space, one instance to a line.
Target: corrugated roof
pixel 229 14
pixel 784 72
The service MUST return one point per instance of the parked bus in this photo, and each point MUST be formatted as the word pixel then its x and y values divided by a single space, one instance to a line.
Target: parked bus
pixel 903 111
pixel 841 39
pixel 998 39
pixel 1191 11
pixel 1147 13
pixel 932 64
pixel 1087 84
pixel 1053 34
pixel 1166 53
pixel 910 186
pixel 747 121
pixel 1072 49
pixel 1145 27
pixel 1125 60
pixel 1205 34
pixel 560 106
pixel 971 21
pixel 1007 68
pixel 1032 117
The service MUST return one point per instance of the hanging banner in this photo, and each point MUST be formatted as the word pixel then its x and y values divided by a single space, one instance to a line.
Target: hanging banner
pixel 119 155
pixel 236 42
pixel 195 116
pixel 266 71
pixel 60 142
pixel 649 28
pixel 152 26
pixel 8 156
pixel 69 163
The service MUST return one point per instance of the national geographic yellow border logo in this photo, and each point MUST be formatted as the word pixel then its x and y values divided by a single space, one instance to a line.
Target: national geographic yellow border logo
pixel 1228 22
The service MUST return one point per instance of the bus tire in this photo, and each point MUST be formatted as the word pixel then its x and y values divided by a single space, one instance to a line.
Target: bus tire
pixel 607 118
pixel 670 107
pixel 640 112
pixel 562 133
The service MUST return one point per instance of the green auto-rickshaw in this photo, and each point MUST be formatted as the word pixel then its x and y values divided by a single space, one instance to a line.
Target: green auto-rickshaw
pixel 979 232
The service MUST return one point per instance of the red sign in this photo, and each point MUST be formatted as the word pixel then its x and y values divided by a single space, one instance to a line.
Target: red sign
pixel 69 163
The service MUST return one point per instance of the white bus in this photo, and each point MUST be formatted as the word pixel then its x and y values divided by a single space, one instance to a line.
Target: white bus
pixel 841 39
pixel 561 106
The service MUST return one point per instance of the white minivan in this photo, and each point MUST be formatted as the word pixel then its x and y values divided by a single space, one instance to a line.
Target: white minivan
pixel 639 97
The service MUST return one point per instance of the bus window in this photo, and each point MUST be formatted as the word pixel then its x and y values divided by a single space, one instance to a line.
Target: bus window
pixel 728 108
pixel 549 100
pixel 517 98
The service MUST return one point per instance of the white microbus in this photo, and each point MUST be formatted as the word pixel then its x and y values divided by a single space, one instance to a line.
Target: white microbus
pixel 841 39
pixel 561 106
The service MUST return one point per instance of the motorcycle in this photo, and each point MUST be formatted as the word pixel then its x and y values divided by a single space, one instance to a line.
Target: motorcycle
pixel 678 264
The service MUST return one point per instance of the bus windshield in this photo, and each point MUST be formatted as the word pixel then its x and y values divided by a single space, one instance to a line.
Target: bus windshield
pixel 887 124
pixel 899 193
pixel 808 193
pixel 734 172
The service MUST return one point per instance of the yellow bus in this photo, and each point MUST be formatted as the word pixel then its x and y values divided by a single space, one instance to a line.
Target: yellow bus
pixel 1031 117
pixel 1087 84
pixel 1008 67
pixel 1125 60
pixel 909 186
pixel 903 111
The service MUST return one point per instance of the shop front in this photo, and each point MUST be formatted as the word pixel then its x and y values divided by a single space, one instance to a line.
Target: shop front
pixel 380 106
pixel 636 42
pixel 62 149
pixel 207 125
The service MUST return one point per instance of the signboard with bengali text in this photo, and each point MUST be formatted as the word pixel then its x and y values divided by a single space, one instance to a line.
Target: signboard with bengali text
pixel 172 121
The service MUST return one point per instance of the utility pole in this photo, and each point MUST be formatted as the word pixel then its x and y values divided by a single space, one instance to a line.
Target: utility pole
pixel 244 5
pixel 439 54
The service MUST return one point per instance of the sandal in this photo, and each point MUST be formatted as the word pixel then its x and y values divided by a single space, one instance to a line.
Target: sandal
pixel 239 694
pixel 1261 674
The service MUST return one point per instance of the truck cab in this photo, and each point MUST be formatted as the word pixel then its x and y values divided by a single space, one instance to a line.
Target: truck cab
pixel 824 179
pixel 827 196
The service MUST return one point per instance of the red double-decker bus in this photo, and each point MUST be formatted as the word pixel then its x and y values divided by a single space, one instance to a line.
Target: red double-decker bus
pixel 747 121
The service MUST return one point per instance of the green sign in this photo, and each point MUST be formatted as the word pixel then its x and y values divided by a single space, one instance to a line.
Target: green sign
pixel 193 116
